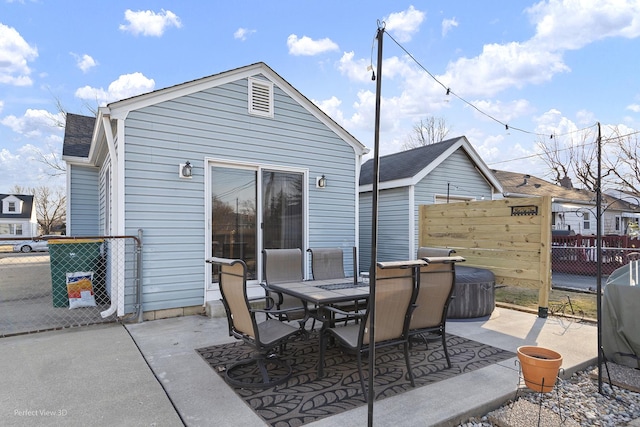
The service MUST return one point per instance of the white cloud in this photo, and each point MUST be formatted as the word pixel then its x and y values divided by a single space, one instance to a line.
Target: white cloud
pixel 355 70
pixel 125 86
pixel 331 107
pixel 15 53
pixel 447 25
pixel 571 24
pixel 553 122
pixel 403 25
pixel 243 33
pixel 149 23
pixel 1 105
pixel 634 107
pixel 501 66
pixel 503 111
pixel 14 165
pixel 561 25
pixel 309 47
pixel 84 62
pixel 36 124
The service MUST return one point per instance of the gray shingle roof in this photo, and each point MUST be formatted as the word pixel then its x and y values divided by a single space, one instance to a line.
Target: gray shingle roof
pixel 27 206
pixel 404 164
pixel 77 135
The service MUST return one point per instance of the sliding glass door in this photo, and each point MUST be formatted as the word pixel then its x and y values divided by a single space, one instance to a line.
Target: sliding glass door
pixel 235 230
pixel 282 210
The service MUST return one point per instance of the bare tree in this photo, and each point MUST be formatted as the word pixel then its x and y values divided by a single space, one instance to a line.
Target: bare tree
pixel 623 161
pixel 576 158
pixel 427 131
pixel 50 205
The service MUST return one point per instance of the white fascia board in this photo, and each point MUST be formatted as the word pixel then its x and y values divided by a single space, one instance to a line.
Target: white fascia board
pixel 77 160
pixel 387 185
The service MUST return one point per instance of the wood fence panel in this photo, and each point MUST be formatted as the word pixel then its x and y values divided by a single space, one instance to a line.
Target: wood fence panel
pixel 510 237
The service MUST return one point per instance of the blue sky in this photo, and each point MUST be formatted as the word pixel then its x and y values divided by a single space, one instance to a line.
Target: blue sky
pixel 548 67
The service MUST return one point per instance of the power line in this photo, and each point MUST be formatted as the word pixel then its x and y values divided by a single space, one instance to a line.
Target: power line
pixel 451 92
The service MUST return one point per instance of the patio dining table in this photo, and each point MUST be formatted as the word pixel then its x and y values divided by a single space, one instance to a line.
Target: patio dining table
pixel 324 292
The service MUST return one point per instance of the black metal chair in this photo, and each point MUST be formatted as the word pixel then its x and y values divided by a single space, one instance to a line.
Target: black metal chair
pixel 264 369
pixel 437 282
pixel 395 295
pixel 282 266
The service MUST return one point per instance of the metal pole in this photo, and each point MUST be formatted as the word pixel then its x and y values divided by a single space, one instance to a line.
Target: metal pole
pixel 599 258
pixel 374 230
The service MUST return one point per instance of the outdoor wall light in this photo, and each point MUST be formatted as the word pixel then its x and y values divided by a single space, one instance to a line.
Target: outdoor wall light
pixel 185 170
pixel 321 181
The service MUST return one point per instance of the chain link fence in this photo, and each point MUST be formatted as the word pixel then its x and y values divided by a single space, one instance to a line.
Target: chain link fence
pixel 64 282
pixel 574 259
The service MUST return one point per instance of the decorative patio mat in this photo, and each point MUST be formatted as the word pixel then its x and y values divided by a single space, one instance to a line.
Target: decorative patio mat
pixel 304 398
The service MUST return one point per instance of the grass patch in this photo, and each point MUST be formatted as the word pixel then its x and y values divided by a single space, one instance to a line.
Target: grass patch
pixel 560 302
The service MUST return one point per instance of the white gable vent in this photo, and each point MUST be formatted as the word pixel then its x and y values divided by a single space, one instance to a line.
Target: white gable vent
pixel 260 97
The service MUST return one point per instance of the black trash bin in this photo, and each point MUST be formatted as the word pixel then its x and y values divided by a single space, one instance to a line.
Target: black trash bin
pixel 73 256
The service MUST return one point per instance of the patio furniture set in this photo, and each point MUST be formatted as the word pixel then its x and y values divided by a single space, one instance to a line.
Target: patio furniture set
pixel 410 303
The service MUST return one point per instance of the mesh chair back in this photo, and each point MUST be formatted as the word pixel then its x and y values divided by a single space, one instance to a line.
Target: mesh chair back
pixel 233 287
pixel 436 286
pixel 283 265
pixel 327 263
pixel 394 294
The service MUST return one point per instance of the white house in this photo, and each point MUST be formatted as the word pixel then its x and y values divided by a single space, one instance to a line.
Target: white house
pixel 17 216
pixel 574 210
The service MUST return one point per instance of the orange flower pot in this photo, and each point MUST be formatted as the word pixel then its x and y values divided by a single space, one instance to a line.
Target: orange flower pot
pixel 539 366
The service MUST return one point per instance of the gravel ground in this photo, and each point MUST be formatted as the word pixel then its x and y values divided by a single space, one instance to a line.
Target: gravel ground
pixel 573 402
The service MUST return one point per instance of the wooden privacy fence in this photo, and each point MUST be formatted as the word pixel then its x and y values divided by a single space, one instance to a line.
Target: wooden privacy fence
pixel 510 237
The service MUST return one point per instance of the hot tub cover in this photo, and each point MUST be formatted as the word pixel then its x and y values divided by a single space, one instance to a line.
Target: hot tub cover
pixel 620 319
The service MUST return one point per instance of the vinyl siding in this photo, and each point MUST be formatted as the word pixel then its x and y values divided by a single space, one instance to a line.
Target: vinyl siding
pixel 215 124
pixel 393 207
pixel 84 211
pixel 393 226
pixel 464 181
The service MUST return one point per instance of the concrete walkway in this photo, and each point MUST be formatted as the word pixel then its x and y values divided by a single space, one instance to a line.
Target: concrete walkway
pixel 150 374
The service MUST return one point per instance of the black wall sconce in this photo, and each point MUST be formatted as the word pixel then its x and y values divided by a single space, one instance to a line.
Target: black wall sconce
pixel 321 181
pixel 185 170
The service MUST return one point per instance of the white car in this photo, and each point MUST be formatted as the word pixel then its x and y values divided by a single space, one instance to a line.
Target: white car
pixel 39 245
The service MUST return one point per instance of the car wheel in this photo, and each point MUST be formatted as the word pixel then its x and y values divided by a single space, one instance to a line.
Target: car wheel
pixel 25 249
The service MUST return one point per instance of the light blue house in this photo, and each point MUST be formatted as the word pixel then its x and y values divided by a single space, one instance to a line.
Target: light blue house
pixel 226 165
pixel 446 172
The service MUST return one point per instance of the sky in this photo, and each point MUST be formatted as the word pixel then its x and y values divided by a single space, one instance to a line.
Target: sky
pixel 517 72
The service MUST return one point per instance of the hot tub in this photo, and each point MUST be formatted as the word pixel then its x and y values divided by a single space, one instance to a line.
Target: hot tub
pixel 474 293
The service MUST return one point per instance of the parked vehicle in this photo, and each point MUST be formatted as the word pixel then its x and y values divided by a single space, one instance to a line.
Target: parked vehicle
pixel 40 244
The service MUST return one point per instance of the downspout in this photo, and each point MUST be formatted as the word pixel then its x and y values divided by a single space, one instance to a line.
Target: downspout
pixel 106 123
pixel 139 311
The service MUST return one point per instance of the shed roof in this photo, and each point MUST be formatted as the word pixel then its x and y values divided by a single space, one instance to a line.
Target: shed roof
pixel 414 164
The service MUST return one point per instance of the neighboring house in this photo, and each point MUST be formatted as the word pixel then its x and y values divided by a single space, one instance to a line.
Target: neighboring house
pixel 446 172
pixel 226 165
pixel 573 210
pixel 17 216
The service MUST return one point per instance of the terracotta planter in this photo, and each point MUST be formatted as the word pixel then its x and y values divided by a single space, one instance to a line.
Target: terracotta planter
pixel 539 366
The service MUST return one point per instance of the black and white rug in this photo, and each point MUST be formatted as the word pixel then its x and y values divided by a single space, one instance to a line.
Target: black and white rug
pixel 305 398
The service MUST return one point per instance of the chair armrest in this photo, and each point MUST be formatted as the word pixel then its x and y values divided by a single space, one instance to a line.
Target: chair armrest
pixel 269 301
pixel 350 314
